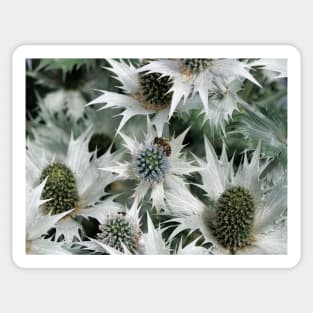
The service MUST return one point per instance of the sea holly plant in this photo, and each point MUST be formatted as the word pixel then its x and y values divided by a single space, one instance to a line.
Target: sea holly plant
pixel 75 185
pixel 141 94
pixel 155 163
pixel 121 235
pixel 156 156
pixel 215 81
pixel 246 215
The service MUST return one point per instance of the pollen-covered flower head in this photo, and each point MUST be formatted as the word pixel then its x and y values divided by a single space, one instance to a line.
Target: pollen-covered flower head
pixel 73 185
pixel 155 163
pixel 246 214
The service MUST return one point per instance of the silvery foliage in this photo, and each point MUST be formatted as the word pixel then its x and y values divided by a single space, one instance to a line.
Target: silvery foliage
pixel 156 156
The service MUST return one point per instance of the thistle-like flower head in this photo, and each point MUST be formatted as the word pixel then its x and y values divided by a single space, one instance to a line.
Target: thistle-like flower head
pixel 207 84
pixel 145 94
pixel 74 185
pixel 152 164
pixel 153 91
pixel 121 234
pixel 234 218
pixel 119 229
pixel 195 66
pixel 61 188
pixel 246 215
pixel 155 163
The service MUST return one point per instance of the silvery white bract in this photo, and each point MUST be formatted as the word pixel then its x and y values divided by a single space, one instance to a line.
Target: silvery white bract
pixel 246 215
pixel 132 101
pixel 150 242
pixel 152 165
pixel 74 184
pixel 71 102
pixel 38 225
pixel 278 66
pixel 142 94
pixel 202 77
pixel 63 123
pixel 126 172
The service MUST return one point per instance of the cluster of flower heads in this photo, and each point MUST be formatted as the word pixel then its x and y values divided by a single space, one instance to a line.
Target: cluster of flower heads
pixel 143 168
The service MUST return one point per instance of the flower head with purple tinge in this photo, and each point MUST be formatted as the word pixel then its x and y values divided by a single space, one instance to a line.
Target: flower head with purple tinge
pixel 155 164
pixel 151 163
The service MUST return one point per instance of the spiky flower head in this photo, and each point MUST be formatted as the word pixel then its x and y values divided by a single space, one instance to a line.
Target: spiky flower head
pixel 245 214
pixel 149 243
pixel 151 163
pixel 195 66
pixel 154 91
pixel 74 186
pixel 117 230
pixel 198 77
pixel 60 188
pixel 144 94
pixel 234 217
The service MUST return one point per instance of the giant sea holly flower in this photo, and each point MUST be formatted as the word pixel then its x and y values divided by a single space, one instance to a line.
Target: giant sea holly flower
pixel 156 163
pixel 246 214
pixel 73 185
pixel 121 234
pixel 143 94
pixel 198 76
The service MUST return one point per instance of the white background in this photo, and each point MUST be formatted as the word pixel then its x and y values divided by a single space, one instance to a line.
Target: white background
pixel 155 290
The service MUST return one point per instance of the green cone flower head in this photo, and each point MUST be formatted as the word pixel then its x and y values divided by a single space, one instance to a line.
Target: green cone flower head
pixel 234 218
pixel 60 188
pixel 154 90
pixel 195 66
pixel 117 230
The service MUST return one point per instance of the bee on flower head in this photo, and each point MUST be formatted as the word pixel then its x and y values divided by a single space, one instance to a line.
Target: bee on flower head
pixel 164 143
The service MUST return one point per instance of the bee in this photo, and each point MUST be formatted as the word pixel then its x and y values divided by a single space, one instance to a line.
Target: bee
pixel 164 143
